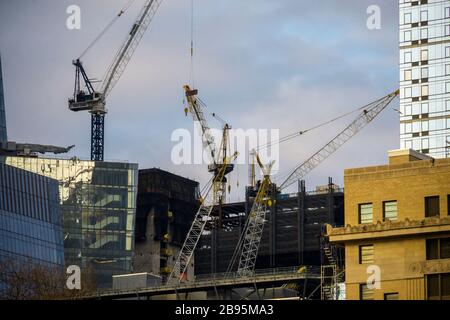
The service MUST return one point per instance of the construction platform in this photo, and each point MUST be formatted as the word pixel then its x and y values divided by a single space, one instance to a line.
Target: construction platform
pixel 220 283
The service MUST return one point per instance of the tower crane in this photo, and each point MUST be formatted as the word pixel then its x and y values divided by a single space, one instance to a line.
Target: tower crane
pixel 87 98
pixel 196 108
pixel 215 190
pixel 247 247
pixel 248 244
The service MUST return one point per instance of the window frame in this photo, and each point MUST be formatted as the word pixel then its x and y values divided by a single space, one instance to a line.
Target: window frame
pixel 371 292
pixel 384 210
pixel 422 53
pixel 426 207
pixel 407 74
pixel 422 18
pixel 438 277
pixel 360 212
pixel 360 253
pixel 424 33
pixel 392 294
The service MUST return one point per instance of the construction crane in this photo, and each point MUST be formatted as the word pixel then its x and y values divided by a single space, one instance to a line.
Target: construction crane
pixel 247 247
pixel 370 112
pixel 196 108
pixel 202 217
pixel 248 244
pixel 214 191
pixel 88 99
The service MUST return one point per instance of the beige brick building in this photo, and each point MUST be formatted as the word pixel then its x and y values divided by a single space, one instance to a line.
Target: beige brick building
pixel 397 219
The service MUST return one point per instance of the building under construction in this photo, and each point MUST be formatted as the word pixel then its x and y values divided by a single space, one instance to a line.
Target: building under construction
pixel 166 205
pixel 292 233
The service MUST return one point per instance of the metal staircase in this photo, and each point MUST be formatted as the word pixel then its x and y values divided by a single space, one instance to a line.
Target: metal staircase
pixel 331 271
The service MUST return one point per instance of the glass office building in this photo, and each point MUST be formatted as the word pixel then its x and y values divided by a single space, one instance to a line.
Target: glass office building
pixel 3 135
pixel 425 76
pixel 98 206
pixel 30 219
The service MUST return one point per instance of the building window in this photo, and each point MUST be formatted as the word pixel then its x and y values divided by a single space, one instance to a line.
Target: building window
pixel 408 127
pixel 424 55
pixel 390 210
pixel 447 87
pixel 424 16
pixel 432 249
pixel 366 254
pixel 407 18
pixel 408 74
pixel 447 30
pixel 438 248
pixel 408 110
pixel 444 248
pixel 391 296
pixel 448 200
pixel 432 206
pixel 366 293
pixel 424 91
pixel 447 12
pixel 447 69
pixel 424 73
pixel 408 144
pixel 426 141
pixel 407 35
pixel 408 56
pixel 407 92
pixel 366 213
pixel 424 33
pixel 438 286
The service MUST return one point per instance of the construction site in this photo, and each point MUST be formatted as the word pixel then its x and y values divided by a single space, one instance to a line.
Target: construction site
pixel 188 241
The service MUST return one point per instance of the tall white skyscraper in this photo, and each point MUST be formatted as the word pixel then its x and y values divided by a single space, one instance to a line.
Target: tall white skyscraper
pixel 425 76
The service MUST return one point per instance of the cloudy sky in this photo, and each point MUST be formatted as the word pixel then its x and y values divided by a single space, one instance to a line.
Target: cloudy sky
pixel 260 64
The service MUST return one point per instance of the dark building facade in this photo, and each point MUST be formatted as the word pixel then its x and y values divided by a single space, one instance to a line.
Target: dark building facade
pixel 30 218
pixel 166 206
pixel 292 235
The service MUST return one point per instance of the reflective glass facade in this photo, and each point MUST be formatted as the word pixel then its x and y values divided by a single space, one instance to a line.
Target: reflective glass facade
pixel 3 135
pixel 30 219
pixel 425 76
pixel 98 206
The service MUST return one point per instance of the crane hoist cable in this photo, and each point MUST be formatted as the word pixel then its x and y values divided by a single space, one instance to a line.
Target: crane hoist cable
pixel 213 114
pixel 302 132
pixel 192 74
pixel 124 9
pixel 367 115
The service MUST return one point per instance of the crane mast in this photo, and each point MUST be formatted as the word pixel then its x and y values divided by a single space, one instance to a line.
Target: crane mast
pixel 248 245
pixel 95 101
pixel 202 217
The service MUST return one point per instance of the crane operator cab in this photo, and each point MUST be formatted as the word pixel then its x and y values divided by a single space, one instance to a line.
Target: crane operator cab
pixel 85 98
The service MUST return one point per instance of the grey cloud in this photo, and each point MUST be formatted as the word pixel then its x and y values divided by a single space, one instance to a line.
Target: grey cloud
pixel 248 68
